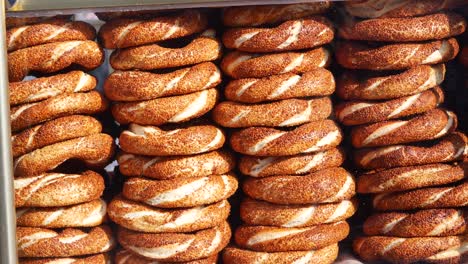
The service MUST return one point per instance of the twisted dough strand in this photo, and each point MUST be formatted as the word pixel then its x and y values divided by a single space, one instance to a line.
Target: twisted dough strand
pixel 56 30
pixel 174 109
pixel 450 148
pixel 53 57
pixel 58 189
pixel 354 55
pixel 40 242
pixel 163 168
pixel 143 218
pixel 290 35
pixel 317 82
pixel 363 112
pixel 255 212
pixel 123 33
pixel 431 125
pixel 276 239
pixel 307 138
pixel 442 197
pixel 148 140
pixel 81 215
pixel 44 88
pixel 27 115
pixel 271 14
pixel 432 222
pixel 410 250
pixel 180 192
pixel 409 82
pixel 407 178
pixel 292 165
pixel 284 113
pixel 54 131
pixel 139 85
pixel 245 65
pixel 201 49
pixel 179 247
pixel 95 150
pixel 429 27
pixel 325 186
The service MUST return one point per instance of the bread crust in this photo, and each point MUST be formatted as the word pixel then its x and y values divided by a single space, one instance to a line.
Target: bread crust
pixel 400 56
pixel 53 57
pixel 325 186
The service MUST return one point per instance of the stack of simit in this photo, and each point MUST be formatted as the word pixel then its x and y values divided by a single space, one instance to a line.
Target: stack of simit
pixel 298 196
pixel 59 210
pixel 406 143
pixel 173 206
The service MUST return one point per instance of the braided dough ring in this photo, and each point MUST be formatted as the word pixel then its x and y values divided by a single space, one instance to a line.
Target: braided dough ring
pixel 27 115
pixel 180 192
pixel 427 198
pixel 364 112
pixel 148 140
pixel 449 249
pixel 52 57
pixel 431 125
pixel 54 131
pixel 95 150
pixel 407 178
pixel 409 82
pixel 450 148
pixel 271 14
pixel 255 212
pixel 317 82
pixel 93 259
pixel 277 239
pixel 176 247
pixel 201 49
pixel 307 138
pixel 163 168
pixel 433 222
pixel 290 35
pixel 354 55
pixel 326 255
pixel 284 113
pixel 48 32
pixel 44 88
pixel 124 256
pixel 244 65
pixel 87 214
pixel 58 189
pixel 174 109
pixel 143 218
pixel 429 27
pixel 398 8
pixel 139 85
pixel 325 186
pixel 40 242
pixel 123 33
pixel 292 165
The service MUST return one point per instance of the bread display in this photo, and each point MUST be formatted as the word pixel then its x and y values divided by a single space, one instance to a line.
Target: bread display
pixel 205 133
